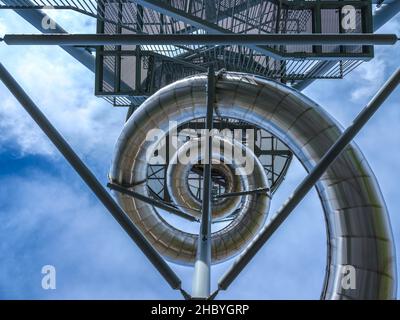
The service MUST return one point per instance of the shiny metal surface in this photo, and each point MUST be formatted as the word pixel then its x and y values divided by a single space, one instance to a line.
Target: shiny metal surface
pixel 178 172
pixel 358 228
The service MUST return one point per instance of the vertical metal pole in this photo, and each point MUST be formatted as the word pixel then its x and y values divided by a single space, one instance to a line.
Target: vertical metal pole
pixel 99 71
pixel 210 10
pixel 138 56
pixel 118 57
pixel 202 268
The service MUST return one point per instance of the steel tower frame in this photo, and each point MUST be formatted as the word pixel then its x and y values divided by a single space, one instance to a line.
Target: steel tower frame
pixel 201 282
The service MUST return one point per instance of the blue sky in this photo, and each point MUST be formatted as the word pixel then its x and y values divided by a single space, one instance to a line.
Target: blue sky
pixel 48 216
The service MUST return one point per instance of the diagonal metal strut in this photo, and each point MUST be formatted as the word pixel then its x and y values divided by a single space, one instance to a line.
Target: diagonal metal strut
pixel 243 193
pixel 308 183
pixel 91 181
pixel 153 202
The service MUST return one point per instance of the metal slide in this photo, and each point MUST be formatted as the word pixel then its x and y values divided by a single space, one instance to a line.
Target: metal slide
pixel 357 223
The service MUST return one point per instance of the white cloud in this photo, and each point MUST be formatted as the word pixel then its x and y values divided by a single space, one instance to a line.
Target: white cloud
pixel 16 129
pixel 393 26
pixel 72 21
pixel 59 223
pixel 64 93
pixel 368 78
pixel 3 28
pixel 63 89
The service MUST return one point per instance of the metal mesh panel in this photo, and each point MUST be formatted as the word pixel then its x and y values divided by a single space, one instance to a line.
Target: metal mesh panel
pixel 142 70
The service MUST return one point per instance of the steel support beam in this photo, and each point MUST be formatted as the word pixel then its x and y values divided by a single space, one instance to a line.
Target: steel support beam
pixel 91 181
pixel 36 17
pixel 202 267
pixel 242 193
pixel 200 39
pixel 210 10
pixel 153 202
pixel 308 183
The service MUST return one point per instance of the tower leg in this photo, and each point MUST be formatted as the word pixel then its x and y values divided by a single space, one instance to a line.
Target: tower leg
pixel 202 268
pixel 91 181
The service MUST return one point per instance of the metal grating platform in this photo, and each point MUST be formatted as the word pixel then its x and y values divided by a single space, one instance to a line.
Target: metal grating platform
pixel 141 70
